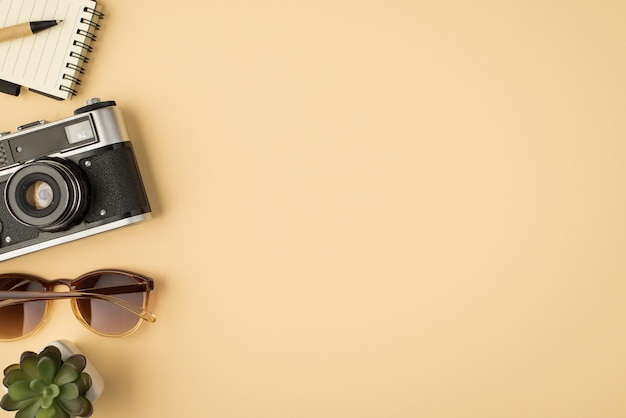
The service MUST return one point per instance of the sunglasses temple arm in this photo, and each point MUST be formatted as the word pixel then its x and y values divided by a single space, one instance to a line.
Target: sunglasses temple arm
pixel 15 297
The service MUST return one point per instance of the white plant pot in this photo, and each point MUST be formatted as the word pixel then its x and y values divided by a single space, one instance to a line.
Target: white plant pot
pixel 67 348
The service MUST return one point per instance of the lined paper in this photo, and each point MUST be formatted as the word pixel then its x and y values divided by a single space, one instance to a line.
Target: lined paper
pixel 40 61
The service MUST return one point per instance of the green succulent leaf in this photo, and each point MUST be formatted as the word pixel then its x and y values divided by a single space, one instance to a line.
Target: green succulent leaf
pixel 37 386
pixel 21 390
pixel 47 402
pixel 53 412
pixel 47 368
pixel 28 363
pixel 67 374
pixel 69 392
pixel 10 369
pixel 53 353
pixel 15 375
pixel 80 406
pixel 29 411
pixel 9 404
pixel 84 383
pixel 78 361
pixel 49 395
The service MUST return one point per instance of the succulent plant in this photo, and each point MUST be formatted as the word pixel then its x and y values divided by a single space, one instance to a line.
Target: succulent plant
pixel 46 386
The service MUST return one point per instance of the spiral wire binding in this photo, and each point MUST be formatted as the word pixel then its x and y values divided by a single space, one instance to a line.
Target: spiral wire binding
pixel 81 57
pixel 84 47
pixel 71 78
pixel 94 12
pixel 92 37
pixel 74 67
pixel 91 23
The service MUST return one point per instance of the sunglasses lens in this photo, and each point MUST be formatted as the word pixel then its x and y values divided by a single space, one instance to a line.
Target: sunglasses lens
pixel 20 319
pixel 105 317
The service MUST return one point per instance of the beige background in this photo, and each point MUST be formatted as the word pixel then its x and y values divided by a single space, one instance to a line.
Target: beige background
pixel 362 209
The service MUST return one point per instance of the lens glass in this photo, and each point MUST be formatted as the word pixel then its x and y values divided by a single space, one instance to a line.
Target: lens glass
pixel 39 195
pixel 103 316
pixel 20 319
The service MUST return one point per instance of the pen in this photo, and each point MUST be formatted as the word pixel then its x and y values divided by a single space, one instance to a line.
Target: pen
pixel 26 29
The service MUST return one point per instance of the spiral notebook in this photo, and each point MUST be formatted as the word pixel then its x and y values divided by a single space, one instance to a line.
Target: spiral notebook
pixel 50 62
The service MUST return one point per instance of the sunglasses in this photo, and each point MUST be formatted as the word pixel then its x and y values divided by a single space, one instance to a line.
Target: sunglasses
pixel 111 303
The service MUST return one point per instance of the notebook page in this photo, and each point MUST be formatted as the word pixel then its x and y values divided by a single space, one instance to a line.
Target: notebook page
pixel 39 61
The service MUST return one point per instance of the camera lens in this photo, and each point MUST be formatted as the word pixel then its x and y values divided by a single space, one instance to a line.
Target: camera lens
pixel 49 194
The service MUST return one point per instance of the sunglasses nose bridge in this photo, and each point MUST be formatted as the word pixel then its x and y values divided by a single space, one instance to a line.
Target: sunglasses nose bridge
pixel 61 284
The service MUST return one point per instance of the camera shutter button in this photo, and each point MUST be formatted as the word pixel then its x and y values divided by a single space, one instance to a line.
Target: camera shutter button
pixel 93 104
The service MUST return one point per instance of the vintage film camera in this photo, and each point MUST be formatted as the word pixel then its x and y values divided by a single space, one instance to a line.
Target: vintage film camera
pixel 68 179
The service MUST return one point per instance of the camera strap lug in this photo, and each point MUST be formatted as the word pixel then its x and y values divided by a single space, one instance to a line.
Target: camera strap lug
pixel 31 125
